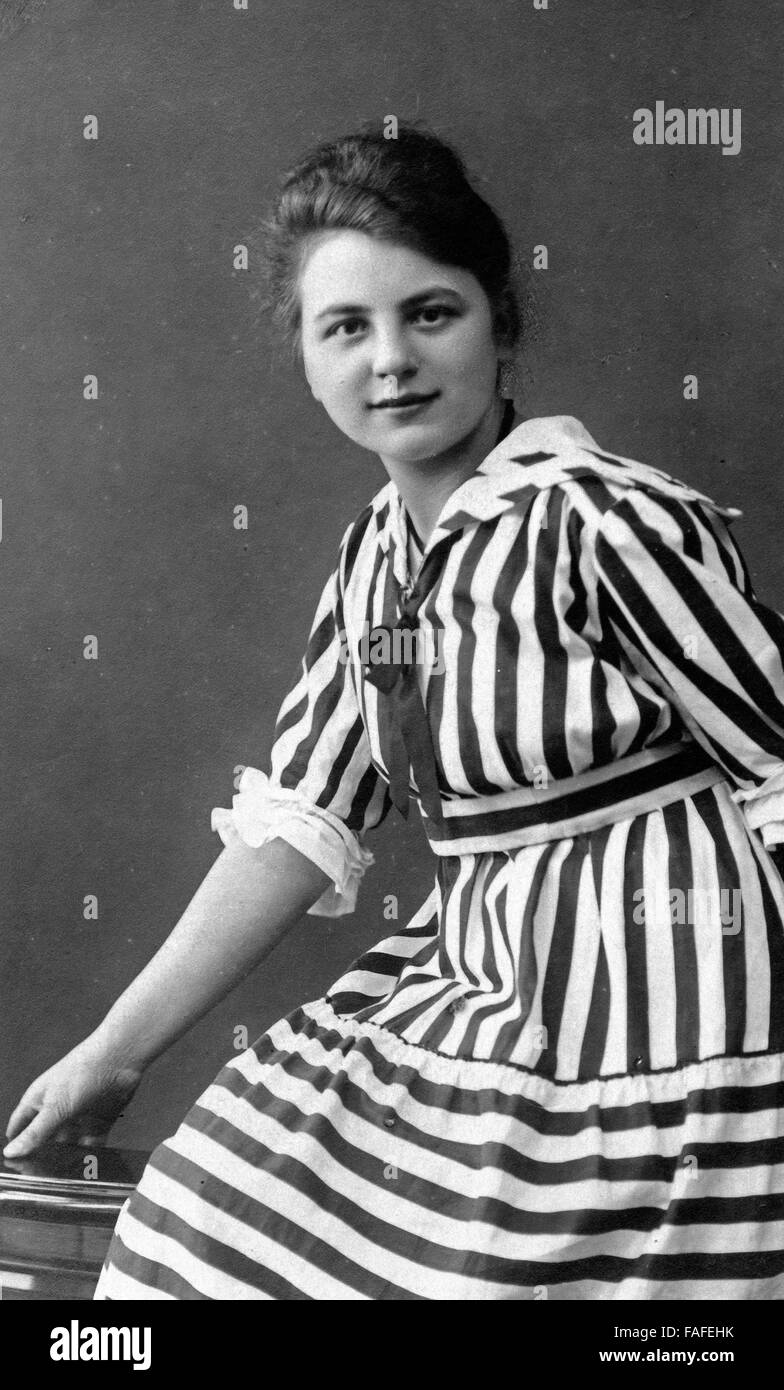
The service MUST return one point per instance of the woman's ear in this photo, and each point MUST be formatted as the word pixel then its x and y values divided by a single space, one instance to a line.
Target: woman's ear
pixel 506 380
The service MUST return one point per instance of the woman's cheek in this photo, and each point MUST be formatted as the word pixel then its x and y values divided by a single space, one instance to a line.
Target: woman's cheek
pixel 474 358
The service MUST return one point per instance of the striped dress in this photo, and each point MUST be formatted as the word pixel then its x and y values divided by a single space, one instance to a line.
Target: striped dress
pixel 564 1077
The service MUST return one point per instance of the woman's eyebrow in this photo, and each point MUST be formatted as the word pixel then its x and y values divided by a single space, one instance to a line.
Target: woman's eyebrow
pixel 407 303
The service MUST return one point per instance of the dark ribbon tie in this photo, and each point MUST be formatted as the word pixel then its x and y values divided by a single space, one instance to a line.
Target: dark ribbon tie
pixel 406 739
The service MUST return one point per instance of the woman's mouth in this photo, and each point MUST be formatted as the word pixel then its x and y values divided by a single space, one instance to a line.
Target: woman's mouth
pixel 406 403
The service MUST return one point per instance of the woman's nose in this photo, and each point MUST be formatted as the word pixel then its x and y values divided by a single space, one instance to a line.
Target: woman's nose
pixel 393 355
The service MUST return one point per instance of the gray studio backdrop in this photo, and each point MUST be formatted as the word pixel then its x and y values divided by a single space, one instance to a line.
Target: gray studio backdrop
pixel 117 513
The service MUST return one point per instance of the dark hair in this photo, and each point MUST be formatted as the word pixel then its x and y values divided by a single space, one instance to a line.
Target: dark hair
pixel 412 189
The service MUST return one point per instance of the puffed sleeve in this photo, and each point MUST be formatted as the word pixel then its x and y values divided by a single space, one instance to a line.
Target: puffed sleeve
pixel 322 792
pixel 674 586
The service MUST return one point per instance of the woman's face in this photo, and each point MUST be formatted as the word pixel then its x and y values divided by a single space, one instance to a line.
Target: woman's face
pixel 380 322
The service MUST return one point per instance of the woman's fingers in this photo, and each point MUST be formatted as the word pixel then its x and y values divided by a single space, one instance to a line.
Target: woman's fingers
pixel 34 1127
pixel 88 1131
pixel 40 1128
pixel 25 1111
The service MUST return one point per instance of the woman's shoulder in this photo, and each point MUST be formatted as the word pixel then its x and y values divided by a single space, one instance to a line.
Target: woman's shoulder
pixel 558 453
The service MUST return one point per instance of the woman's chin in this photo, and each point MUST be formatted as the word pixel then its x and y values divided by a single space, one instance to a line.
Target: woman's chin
pixel 415 440
pixel 407 438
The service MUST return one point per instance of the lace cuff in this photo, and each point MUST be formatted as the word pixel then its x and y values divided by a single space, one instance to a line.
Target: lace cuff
pixel 262 811
pixel 763 808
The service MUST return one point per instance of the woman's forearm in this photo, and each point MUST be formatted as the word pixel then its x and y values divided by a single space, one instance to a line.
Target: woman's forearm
pixel 244 905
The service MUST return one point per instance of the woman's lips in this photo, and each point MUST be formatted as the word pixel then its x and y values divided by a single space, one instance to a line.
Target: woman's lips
pixel 404 402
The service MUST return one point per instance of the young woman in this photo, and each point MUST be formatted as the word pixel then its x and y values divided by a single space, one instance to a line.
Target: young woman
pixel 564 1076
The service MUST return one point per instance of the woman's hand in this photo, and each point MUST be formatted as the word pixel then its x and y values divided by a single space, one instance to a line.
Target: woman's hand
pixel 77 1101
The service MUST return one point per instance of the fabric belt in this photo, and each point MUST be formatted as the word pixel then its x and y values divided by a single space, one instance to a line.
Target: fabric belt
pixel 530 815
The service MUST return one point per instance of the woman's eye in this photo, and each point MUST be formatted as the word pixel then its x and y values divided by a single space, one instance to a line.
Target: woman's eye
pixel 433 313
pixel 350 325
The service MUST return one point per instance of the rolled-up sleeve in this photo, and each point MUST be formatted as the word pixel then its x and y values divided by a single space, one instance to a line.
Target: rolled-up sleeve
pixel 323 792
pixel 675 588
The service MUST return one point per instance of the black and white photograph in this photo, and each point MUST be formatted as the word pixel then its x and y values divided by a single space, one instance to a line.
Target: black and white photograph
pixel 392 828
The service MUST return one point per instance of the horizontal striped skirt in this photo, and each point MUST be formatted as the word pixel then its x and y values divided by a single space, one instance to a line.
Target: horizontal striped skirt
pixel 600 1117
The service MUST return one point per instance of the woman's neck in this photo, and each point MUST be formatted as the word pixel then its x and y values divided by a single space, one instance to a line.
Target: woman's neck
pixel 426 484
